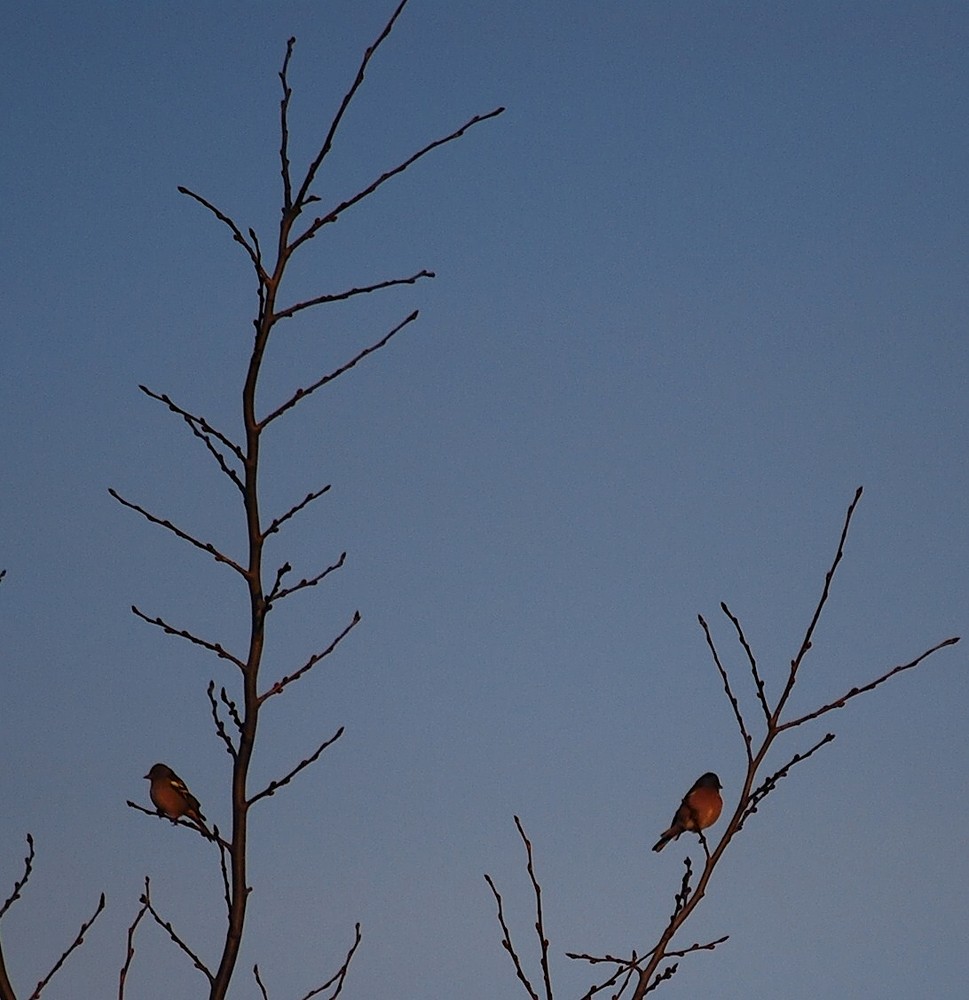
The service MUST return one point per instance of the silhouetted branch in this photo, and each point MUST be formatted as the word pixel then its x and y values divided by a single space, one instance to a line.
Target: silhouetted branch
pixel 78 941
pixel 539 919
pixel 271 788
pixel 166 926
pixel 339 977
pixel 507 943
pixel 303 393
pixel 335 213
pixel 204 431
pixel 212 647
pixel 262 989
pixel 751 659
pixel 350 293
pixel 734 704
pixel 310 663
pixel 130 952
pixel 284 164
pixel 311 582
pixel 809 634
pixel 236 232
pixel 179 533
pixel 219 725
pixel 754 798
pixel 277 522
pixel 855 691
pixel 302 195
pixel 18 885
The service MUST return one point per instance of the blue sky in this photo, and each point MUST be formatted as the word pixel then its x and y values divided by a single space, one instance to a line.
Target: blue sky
pixel 704 277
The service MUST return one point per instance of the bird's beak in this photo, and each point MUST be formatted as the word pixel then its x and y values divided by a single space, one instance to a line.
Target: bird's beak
pixel 146 775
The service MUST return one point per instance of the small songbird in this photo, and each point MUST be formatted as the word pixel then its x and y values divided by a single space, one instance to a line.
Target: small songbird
pixel 699 809
pixel 172 798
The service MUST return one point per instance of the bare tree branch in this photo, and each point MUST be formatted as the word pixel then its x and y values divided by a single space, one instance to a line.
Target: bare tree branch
pixel 212 647
pixel 726 686
pixel 236 232
pixel 219 725
pixel 184 535
pixel 78 941
pixel 130 951
pixel 302 195
pixel 855 691
pixel 754 798
pixel 284 166
pixel 310 663
pixel 506 941
pixel 350 293
pixel 303 393
pixel 271 788
pixel 339 977
pixel 335 213
pixel 311 582
pixel 751 659
pixel 204 431
pixel 255 972
pixel 166 926
pixel 539 919
pixel 20 883
pixel 809 634
pixel 278 522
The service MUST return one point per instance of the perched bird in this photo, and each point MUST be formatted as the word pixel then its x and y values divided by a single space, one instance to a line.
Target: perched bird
pixel 699 809
pixel 172 798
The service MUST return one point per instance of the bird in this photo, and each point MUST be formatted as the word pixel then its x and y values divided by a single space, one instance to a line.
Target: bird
pixel 171 797
pixel 699 809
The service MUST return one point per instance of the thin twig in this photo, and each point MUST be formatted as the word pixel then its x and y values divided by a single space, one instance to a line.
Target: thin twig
pixel 20 883
pixel 212 647
pixel 284 164
pixel 855 691
pixel 809 634
pixel 130 953
pixel 303 393
pixel 236 231
pixel 219 725
pixel 255 968
pixel 539 919
pixel 179 533
pixel 78 941
pixel 335 213
pixel 751 659
pixel 311 581
pixel 734 704
pixel 284 682
pixel 166 926
pixel 506 941
pixel 271 788
pixel 350 293
pixel 277 522
pixel 768 785
pixel 204 431
pixel 339 977
pixel 303 193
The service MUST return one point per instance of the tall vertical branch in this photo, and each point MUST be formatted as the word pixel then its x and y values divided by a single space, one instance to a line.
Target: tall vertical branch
pixel 245 472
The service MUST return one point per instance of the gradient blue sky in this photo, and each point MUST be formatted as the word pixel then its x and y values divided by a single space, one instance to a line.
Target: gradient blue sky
pixel 704 277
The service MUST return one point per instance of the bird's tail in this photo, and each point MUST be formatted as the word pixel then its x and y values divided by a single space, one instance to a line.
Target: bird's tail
pixel 665 838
